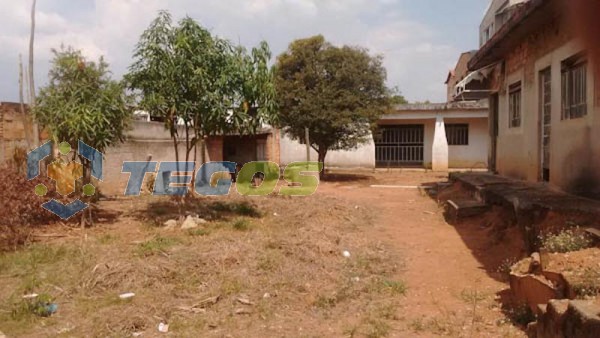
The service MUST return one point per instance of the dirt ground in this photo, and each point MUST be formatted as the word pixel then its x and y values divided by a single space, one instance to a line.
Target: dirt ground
pixel 269 266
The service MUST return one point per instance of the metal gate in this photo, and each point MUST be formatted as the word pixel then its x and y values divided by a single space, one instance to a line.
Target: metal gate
pixel 397 146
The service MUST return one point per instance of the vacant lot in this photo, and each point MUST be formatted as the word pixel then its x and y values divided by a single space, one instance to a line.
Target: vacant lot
pixel 272 266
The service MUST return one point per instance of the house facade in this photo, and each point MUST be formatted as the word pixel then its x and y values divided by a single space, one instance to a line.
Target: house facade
pixel 544 106
pixel 434 136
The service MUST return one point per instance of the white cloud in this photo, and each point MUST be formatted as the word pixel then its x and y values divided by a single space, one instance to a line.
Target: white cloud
pixel 415 60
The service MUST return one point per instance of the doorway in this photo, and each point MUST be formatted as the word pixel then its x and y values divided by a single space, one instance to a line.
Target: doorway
pixel 545 123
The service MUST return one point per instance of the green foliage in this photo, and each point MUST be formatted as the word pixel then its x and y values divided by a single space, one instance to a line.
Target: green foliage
pixel 156 245
pixel 335 92
pixel 82 102
pixel 587 283
pixel 241 224
pixel 186 75
pixel 568 240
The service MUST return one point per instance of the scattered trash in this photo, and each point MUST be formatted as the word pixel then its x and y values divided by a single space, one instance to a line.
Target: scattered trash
pixel 40 305
pixel 429 212
pixel 267 295
pixel 243 299
pixel 163 328
pixel 243 312
pixel 137 334
pixel 64 330
pixel 47 310
pixel 193 309
pixel 275 214
pixel 356 207
pixel 207 302
pixel 127 295
pixel 346 254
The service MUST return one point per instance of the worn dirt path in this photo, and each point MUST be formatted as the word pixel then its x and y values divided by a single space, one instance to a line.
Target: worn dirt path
pixel 451 272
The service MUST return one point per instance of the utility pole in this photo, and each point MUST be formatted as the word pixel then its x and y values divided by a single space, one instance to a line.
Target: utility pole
pixel 36 131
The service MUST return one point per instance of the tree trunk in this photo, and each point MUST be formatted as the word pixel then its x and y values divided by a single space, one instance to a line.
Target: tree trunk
pixel 86 215
pixel 322 153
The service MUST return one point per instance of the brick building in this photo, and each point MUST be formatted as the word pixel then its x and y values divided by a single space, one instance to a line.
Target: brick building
pixel 544 109
pixel 13 131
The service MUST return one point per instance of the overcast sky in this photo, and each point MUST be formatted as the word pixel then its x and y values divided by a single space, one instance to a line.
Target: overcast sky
pixel 419 39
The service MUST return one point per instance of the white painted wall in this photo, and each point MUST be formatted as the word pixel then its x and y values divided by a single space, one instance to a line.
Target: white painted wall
pixel 362 157
pixel 474 155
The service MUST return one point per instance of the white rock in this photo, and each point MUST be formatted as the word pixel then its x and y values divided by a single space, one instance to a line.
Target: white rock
pixel 189 223
pixel 170 224
pixel 127 295
pixel 162 327
pixel 346 254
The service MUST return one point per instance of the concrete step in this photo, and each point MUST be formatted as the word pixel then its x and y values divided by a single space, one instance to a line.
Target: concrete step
pixel 464 208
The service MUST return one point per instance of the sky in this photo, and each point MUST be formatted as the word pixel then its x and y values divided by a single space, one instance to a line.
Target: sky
pixel 420 40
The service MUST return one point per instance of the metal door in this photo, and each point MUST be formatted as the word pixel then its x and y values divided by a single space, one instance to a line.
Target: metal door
pixel 400 145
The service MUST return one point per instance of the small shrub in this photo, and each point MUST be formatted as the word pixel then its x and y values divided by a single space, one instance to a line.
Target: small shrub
pixel 38 306
pixel 198 232
pixel 588 284
pixel 520 314
pixel 395 287
pixel 156 245
pixel 472 296
pixel 568 240
pixel 241 224
pixel 150 183
pixel 20 205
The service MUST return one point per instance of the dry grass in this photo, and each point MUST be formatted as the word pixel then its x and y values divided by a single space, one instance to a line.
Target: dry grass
pixel 247 273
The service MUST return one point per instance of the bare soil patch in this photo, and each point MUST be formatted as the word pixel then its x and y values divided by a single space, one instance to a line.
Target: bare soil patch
pixel 272 266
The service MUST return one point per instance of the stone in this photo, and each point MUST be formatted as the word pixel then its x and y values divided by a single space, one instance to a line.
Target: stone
pixel 170 224
pixel 582 319
pixel 189 223
pixel 533 290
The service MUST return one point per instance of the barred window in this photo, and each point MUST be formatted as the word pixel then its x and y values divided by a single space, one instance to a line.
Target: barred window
pixel 514 105
pixel 457 134
pixel 574 87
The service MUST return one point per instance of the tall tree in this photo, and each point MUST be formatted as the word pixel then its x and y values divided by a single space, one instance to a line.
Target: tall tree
pixel 200 81
pixel 335 92
pixel 82 102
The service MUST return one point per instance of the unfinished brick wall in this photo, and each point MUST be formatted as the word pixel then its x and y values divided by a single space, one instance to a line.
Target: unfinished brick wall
pixel 273 146
pixel 214 149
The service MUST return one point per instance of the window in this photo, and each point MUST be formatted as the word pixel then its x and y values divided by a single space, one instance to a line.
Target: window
pixel 574 87
pixel 457 134
pixel 514 105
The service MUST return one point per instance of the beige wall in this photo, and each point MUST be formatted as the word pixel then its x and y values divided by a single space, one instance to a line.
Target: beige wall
pixel 474 155
pixel 575 143
pixel 361 157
